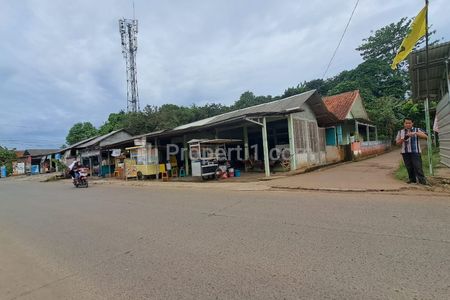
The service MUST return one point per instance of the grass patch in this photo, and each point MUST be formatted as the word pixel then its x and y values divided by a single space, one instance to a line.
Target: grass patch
pixel 402 174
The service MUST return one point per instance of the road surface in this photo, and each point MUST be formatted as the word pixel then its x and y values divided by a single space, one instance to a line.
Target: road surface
pixel 115 242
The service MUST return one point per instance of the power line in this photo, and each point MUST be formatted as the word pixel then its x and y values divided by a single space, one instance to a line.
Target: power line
pixel 340 41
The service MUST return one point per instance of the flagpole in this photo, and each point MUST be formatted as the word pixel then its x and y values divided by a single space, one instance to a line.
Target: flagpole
pixel 427 104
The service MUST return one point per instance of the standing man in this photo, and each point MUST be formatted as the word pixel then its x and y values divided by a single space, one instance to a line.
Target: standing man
pixel 408 138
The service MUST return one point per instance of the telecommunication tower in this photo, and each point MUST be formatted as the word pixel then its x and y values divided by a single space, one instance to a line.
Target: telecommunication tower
pixel 128 31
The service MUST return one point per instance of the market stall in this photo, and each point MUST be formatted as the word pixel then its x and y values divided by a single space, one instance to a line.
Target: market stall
pixel 142 162
pixel 209 157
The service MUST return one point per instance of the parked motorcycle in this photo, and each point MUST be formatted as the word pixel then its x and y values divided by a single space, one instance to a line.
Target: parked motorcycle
pixel 81 179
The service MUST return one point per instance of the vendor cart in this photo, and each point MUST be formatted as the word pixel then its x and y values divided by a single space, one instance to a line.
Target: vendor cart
pixel 143 162
pixel 209 157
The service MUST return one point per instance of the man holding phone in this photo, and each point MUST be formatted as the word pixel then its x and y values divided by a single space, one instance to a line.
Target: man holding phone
pixel 408 138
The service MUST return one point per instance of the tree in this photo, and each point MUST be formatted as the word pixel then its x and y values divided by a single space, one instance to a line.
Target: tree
pixel 384 42
pixel 140 122
pixel 80 131
pixel 6 158
pixel 115 121
pixel 415 111
pixel 344 86
pixel 382 47
pixel 208 110
pixel 373 77
pixel 248 99
pixel 384 113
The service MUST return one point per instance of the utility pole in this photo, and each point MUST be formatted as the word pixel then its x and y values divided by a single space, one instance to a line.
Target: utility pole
pixel 427 103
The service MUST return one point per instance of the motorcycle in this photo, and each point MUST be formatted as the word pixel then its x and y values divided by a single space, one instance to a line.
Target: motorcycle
pixel 81 179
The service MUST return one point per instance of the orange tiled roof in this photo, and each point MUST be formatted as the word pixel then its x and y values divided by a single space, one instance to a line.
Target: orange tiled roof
pixel 19 153
pixel 340 104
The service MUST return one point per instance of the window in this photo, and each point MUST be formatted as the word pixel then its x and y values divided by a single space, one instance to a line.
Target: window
pixel 300 136
pixel 322 146
pixel 313 138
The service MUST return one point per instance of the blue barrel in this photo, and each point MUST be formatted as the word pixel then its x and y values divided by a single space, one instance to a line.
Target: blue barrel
pixel 3 171
pixel 237 173
pixel 34 169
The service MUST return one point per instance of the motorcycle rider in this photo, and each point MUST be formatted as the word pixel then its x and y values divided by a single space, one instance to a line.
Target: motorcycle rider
pixel 74 169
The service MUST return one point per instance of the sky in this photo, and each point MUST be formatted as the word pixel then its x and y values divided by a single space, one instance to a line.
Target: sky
pixel 61 61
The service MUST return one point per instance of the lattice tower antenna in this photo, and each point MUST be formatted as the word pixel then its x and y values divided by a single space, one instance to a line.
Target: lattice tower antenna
pixel 128 31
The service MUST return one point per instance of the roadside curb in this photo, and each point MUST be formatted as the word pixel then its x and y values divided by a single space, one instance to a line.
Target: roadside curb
pixel 432 189
pixel 299 188
pixel 189 185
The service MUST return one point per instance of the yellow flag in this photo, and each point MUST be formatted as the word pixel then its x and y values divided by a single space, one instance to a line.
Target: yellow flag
pixel 418 30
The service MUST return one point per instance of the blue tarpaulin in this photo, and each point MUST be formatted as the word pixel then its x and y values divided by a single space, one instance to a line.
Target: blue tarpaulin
pixel 3 171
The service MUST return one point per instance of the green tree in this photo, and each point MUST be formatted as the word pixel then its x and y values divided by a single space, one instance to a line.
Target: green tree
pixel 384 42
pixel 248 99
pixel 344 86
pixel 384 113
pixel 381 47
pixel 80 131
pixel 416 111
pixel 374 77
pixel 6 158
pixel 322 86
pixel 140 122
pixel 115 121
pixel 208 110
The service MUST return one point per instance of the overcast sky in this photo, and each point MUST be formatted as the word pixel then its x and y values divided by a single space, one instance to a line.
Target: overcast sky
pixel 61 61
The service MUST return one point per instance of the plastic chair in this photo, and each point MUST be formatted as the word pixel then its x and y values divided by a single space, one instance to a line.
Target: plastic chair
pixel 174 172
pixel 165 176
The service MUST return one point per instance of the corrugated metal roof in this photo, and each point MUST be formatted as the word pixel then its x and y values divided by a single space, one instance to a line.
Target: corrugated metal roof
pixel 40 152
pixel 437 55
pixel 196 123
pixel 77 144
pixel 275 107
pixel 150 134
pixel 130 139
pixel 98 139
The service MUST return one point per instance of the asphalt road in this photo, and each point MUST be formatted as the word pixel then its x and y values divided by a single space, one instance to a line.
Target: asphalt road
pixel 112 242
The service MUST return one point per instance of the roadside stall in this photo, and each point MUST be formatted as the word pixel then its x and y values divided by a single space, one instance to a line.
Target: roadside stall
pixel 209 157
pixel 142 162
